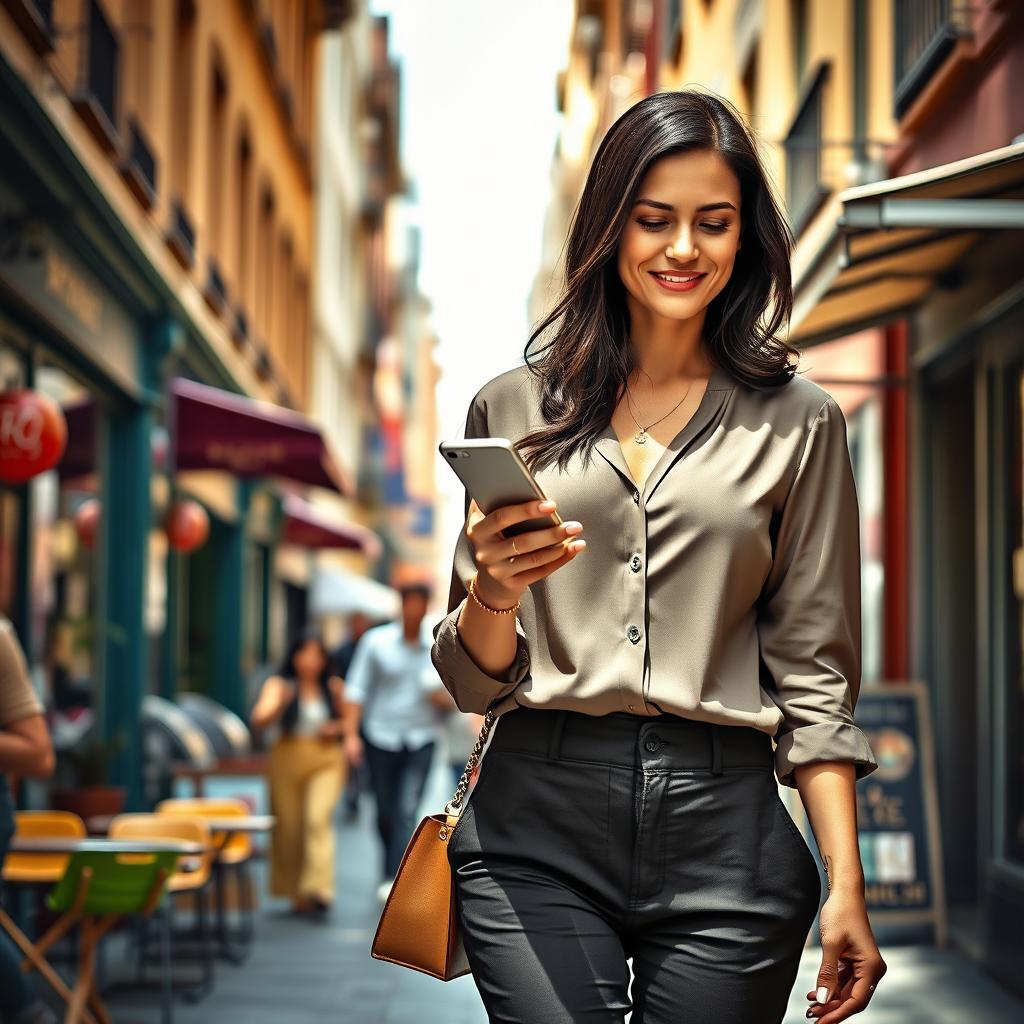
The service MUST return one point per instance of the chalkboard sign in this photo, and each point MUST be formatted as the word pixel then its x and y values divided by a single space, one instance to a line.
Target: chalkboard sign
pixel 897 809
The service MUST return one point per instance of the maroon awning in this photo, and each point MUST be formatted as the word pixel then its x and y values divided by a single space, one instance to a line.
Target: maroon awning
pixel 306 527
pixel 215 429
pixel 79 457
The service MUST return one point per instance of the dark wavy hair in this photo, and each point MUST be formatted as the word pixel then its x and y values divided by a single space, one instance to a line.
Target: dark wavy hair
pixel 287 671
pixel 588 356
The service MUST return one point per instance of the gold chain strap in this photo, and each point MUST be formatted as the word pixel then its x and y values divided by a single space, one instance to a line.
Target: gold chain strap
pixel 474 757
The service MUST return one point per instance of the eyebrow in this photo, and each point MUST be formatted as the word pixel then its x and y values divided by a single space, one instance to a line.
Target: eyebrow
pixel 668 206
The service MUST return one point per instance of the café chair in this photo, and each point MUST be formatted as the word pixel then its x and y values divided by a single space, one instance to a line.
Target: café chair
pixel 191 879
pixel 234 854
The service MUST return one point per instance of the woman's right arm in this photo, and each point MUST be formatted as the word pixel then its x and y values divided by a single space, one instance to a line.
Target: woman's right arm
pixel 275 695
pixel 481 655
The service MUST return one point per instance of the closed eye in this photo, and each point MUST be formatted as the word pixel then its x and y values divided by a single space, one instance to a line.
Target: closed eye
pixel 655 225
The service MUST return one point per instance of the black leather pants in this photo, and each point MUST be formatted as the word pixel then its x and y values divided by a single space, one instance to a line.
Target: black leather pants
pixel 588 840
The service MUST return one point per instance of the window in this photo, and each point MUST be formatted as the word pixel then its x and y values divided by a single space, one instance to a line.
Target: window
pixel 804 188
pixel 243 237
pixel 181 97
pixel 215 290
pixel 97 97
pixel 264 257
pixel 798 21
pixel 923 34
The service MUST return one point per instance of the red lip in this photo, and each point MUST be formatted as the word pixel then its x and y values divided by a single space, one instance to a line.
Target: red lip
pixel 683 286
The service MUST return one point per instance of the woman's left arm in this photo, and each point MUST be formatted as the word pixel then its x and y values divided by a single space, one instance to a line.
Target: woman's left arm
pixel 851 965
pixel 809 628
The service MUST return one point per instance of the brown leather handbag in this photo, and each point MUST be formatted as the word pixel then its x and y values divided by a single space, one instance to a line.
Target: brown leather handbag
pixel 419 925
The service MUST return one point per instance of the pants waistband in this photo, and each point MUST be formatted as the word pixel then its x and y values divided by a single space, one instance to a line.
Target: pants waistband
pixel 621 738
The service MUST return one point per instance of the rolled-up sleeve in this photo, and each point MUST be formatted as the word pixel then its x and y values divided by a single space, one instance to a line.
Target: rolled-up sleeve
pixel 809 623
pixel 471 687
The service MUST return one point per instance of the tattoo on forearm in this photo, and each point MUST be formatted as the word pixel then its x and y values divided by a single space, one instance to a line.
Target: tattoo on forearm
pixel 827 861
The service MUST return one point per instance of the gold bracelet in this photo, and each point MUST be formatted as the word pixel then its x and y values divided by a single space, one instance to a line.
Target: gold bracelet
pixel 488 608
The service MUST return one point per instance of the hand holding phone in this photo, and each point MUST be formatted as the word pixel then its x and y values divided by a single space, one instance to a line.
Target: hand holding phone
pixel 509 518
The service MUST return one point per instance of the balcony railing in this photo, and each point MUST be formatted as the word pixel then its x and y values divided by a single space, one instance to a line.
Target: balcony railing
pixel 96 97
pixel 923 34
pixel 35 19
pixel 805 189
pixel 139 166
pixel 215 291
pixel 181 236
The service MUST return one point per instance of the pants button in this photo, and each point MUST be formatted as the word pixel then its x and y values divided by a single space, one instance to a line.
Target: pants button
pixel 652 743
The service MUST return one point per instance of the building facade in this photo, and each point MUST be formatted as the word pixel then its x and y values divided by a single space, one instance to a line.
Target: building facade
pixel 156 203
pixel 894 135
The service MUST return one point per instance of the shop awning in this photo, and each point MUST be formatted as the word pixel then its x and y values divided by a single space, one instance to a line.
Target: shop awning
pixel 888 242
pixel 80 454
pixel 307 527
pixel 339 592
pixel 215 429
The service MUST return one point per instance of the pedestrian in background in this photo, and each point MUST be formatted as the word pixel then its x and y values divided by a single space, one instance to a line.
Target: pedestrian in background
pixel 395 725
pixel 25 750
pixel 306 772
pixel 358 623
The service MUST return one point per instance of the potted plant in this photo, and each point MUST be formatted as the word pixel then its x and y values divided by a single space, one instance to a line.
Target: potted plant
pixel 85 767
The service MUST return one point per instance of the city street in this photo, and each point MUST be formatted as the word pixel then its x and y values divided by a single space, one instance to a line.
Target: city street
pixel 303 972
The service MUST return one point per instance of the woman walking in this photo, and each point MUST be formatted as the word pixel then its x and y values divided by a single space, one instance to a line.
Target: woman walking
pixel 627 804
pixel 306 772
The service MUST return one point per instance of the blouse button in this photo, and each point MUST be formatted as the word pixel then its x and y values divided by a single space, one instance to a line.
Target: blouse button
pixel 633 633
pixel 634 563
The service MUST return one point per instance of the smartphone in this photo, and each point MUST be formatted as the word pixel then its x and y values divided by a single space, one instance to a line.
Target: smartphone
pixel 494 474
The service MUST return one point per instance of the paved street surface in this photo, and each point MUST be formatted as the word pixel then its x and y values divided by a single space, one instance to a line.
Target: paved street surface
pixel 303 971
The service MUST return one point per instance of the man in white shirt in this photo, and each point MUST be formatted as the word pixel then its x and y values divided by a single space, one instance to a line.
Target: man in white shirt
pixel 393 721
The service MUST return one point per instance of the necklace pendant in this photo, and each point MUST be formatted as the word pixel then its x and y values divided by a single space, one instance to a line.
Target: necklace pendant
pixel 640 437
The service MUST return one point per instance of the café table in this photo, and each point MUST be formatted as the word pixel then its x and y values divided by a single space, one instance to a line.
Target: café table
pixel 223 829
pixel 85 997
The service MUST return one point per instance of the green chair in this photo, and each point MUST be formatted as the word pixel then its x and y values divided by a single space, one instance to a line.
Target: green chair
pixel 97 890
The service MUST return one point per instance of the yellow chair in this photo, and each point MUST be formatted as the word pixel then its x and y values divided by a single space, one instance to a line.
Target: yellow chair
pixel 234 851
pixel 238 846
pixel 41 868
pixel 196 882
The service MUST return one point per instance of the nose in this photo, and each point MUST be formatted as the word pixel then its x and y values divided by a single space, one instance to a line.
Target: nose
pixel 682 246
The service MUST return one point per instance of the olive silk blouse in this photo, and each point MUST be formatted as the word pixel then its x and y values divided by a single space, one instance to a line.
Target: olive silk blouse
pixel 726 589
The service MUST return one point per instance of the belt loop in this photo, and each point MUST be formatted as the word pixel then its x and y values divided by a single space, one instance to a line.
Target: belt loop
pixel 555 739
pixel 716 750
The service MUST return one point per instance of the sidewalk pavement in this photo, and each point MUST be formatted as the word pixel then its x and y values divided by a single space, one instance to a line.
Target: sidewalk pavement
pixel 303 972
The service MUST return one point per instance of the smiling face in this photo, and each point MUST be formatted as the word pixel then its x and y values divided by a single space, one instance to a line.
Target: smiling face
pixel 691 202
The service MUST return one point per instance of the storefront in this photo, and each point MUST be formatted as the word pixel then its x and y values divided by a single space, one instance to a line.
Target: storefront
pixel 933 260
pixel 106 608
pixel 74 584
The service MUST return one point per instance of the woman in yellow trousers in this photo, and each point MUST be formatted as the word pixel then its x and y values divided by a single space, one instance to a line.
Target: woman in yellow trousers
pixel 306 772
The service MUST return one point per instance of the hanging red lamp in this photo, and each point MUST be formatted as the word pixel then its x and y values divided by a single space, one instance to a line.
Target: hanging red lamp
pixel 33 434
pixel 187 525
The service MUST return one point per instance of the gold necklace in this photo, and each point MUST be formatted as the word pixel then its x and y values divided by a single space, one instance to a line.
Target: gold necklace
pixel 640 437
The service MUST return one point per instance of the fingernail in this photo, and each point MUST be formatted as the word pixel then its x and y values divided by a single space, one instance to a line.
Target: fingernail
pixel 545 505
pixel 822 994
